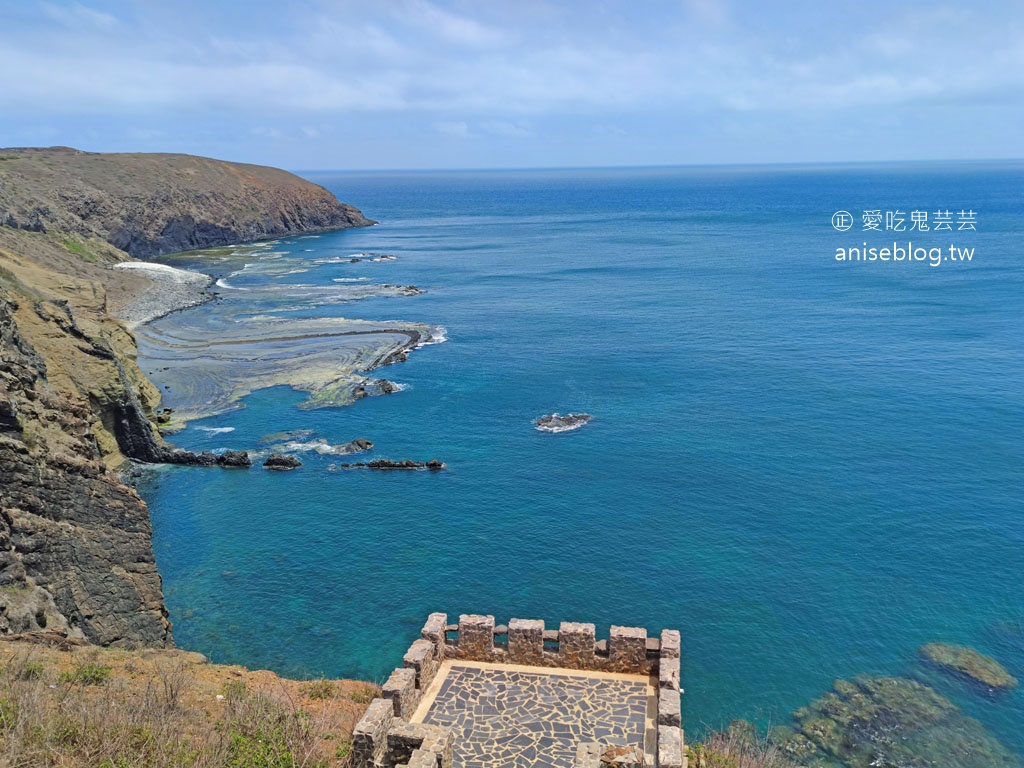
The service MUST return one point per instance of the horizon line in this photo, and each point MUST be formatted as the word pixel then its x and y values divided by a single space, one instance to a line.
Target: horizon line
pixel 666 166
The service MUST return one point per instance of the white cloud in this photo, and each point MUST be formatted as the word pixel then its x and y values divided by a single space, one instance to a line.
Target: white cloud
pixel 453 28
pixel 501 68
pixel 505 129
pixel 75 15
pixel 457 128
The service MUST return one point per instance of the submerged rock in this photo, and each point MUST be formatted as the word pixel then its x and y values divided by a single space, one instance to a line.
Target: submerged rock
pixel 326 449
pixel 888 721
pixel 555 422
pixel 967 662
pixel 403 290
pixel 282 437
pixel 281 461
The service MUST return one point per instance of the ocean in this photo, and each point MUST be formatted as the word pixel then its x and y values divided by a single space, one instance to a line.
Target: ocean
pixel 809 466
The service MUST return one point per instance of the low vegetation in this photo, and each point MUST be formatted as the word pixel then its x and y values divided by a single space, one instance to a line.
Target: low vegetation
pixel 105 708
pixel 739 746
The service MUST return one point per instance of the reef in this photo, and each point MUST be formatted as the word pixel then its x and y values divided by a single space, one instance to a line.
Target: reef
pixel 968 663
pixel 888 721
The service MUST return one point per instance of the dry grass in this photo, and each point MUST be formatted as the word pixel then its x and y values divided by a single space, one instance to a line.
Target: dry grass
pixel 104 708
pixel 739 746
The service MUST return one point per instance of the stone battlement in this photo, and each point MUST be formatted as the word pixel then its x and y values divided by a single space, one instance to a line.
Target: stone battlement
pixel 386 737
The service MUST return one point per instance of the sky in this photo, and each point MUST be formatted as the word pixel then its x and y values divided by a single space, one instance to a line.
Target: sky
pixel 425 84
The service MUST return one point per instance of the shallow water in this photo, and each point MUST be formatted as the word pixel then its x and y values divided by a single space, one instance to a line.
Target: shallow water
pixel 809 467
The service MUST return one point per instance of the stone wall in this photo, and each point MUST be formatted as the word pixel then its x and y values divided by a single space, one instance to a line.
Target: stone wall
pixel 573 645
pixel 385 737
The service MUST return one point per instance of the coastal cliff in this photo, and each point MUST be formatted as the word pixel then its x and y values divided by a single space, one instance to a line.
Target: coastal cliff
pixel 76 554
pixel 151 204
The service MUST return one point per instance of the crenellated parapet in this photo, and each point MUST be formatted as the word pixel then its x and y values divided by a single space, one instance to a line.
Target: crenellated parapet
pixel 387 737
pixel 573 645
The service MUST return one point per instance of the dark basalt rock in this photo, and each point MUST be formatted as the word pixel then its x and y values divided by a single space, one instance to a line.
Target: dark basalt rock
pixel 357 445
pixel 9 417
pixel 234 459
pixel 281 461
pixel 204 459
pixel 433 464
pixel 375 387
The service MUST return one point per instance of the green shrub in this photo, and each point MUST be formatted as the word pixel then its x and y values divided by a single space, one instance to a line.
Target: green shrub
pixel 364 695
pixel 263 749
pixel 344 749
pixel 235 690
pixel 26 669
pixel 86 674
pixel 321 689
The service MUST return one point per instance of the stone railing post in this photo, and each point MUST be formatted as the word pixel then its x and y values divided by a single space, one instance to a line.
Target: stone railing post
pixel 370 736
pixel 400 689
pixel 526 641
pixel 422 658
pixel 670 735
pixel 476 637
pixel 576 645
pixel 434 629
pixel 627 649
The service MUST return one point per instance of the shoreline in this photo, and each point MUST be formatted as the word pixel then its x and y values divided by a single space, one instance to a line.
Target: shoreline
pixel 169 290
pixel 204 364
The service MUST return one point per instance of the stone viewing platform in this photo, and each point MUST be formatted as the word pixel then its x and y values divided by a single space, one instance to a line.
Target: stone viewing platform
pixel 476 694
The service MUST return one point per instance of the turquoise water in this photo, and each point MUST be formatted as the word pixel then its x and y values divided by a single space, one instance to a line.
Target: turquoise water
pixel 809 467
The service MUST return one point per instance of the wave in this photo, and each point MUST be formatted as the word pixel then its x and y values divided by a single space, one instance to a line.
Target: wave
pixel 222 283
pixel 216 430
pixel 438 335
pixel 321 446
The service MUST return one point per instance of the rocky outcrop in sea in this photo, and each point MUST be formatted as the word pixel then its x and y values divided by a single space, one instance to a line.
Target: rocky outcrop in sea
pixel 555 422
pixel 280 461
pixel 433 464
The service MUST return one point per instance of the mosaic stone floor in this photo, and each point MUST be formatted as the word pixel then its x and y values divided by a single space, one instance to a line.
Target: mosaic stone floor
pixel 508 717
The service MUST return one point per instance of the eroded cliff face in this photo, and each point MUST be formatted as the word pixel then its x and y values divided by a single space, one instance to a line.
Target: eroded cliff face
pixel 75 543
pixel 76 552
pixel 150 204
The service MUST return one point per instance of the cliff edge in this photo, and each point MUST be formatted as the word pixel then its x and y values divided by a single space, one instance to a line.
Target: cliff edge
pixel 76 553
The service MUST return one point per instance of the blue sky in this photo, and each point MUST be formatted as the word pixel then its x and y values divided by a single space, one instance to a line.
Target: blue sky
pixel 532 83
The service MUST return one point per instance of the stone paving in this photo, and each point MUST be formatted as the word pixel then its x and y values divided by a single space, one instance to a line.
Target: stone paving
pixel 526 717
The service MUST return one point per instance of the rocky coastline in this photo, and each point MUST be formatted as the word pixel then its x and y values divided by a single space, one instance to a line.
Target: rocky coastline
pixel 76 555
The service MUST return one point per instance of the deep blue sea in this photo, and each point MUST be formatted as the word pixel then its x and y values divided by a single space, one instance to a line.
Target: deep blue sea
pixel 810 467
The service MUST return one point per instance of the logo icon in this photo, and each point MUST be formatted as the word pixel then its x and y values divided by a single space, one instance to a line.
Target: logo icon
pixel 842 220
